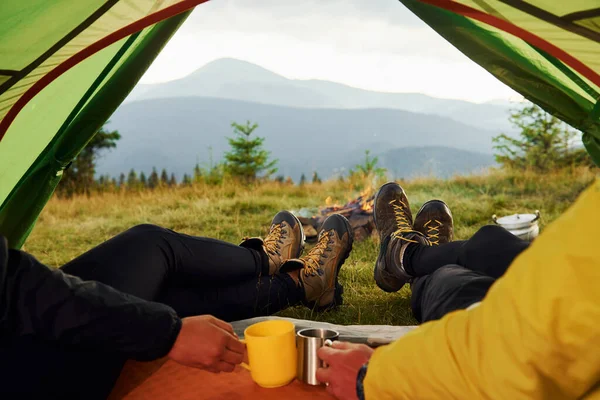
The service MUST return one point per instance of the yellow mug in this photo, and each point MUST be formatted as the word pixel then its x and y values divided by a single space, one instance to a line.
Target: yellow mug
pixel 272 353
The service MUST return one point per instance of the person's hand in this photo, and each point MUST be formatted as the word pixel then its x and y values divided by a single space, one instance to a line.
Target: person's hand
pixel 208 343
pixel 344 361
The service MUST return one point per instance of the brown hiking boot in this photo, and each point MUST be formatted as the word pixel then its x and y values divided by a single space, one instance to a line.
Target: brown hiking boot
pixel 321 266
pixel 434 220
pixel 284 241
pixel 393 220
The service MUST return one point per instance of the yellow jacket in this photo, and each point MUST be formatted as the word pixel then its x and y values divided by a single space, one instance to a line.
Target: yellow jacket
pixel 536 335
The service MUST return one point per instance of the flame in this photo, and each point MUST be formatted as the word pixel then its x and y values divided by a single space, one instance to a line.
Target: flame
pixel 328 201
pixel 365 194
pixel 368 205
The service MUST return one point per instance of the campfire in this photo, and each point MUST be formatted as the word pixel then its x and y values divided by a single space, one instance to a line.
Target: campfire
pixel 359 213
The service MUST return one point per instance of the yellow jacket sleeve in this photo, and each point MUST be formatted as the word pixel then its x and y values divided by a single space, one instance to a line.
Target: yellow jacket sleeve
pixel 536 335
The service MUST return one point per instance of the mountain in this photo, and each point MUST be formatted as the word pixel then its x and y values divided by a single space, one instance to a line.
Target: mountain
pixel 438 161
pixel 240 80
pixel 176 133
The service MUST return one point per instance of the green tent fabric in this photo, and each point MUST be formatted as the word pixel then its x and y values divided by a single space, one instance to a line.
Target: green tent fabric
pixel 66 65
pixel 547 50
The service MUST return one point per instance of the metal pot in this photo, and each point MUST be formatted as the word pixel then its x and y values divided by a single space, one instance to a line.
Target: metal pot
pixel 524 226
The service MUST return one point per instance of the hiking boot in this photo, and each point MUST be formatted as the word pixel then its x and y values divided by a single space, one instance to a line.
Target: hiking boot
pixel 284 241
pixel 434 220
pixel 393 221
pixel 321 266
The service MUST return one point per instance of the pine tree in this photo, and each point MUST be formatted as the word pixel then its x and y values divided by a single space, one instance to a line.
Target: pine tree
pixel 247 158
pixel 79 177
pixel 197 173
pixel 122 180
pixel 316 178
pixel 132 180
pixel 173 181
pixel 369 168
pixel 153 180
pixel 187 181
pixel 302 180
pixel 143 180
pixel 164 178
pixel 545 142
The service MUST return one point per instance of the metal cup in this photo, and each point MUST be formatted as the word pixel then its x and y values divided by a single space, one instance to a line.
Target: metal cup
pixel 308 341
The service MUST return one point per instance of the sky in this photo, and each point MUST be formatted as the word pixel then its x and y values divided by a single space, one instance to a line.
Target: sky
pixel 369 44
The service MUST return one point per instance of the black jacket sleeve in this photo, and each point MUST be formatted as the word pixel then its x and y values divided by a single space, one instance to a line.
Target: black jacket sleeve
pixel 53 306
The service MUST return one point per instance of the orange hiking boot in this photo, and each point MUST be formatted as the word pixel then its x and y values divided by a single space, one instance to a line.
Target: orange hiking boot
pixel 284 241
pixel 321 266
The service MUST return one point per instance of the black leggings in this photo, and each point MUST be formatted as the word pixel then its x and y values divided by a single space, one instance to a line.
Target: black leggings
pixel 191 274
pixel 194 275
pixel 456 275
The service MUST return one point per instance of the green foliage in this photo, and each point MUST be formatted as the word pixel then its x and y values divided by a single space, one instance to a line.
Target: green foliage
pixel 368 169
pixel 198 173
pixel 67 228
pixel 143 181
pixel 544 143
pixel 153 180
pixel 367 174
pixel 172 181
pixel 302 180
pixel 187 180
pixel 247 159
pixel 79 177
pixel 164 178
pixel 122 180
pixel 316 178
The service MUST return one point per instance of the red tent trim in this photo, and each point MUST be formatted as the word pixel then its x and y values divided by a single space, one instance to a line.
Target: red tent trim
pixel 106 41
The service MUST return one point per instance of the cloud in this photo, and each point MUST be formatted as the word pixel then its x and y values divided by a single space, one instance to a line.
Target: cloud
pixel 372 44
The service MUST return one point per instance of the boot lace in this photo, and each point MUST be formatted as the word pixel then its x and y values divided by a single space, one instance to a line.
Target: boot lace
pixel 404 226
pixel 433 231
pixel 312 261
pixel 273 239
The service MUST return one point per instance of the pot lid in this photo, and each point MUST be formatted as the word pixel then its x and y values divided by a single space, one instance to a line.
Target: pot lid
pixel 517 221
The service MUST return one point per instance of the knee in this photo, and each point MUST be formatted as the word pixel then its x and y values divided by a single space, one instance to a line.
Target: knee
pixel 490 230
pixel 146 232
pixel 493 231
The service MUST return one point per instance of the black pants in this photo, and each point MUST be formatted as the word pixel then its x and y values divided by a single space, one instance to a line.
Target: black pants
pixel 191 274
pixel 456 275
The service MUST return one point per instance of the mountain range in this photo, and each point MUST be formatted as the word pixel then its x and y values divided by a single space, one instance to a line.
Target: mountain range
pixel 240 80
pixel 308 125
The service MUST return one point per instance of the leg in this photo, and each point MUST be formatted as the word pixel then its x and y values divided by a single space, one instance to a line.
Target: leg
pixel 490 251
pixel 142 259
pixel 447 289
pixel 257 297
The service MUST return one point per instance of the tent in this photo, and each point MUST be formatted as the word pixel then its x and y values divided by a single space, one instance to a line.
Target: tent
pixel 66 65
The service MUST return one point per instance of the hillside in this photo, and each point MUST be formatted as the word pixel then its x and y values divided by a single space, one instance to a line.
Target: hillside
pixel 240 80
pixel 175 133
pixel 69 227
pixel 438 161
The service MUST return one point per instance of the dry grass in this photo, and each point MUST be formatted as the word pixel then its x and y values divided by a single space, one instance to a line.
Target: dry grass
pixel 68 227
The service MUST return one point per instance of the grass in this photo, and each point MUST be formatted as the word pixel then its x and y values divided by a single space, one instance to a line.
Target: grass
pixel 69 227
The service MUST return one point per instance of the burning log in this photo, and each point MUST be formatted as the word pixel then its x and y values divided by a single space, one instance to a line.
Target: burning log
pixel 359 213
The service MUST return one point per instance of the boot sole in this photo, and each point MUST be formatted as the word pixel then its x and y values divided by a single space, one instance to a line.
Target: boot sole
pixel 338 299
pixel 302 235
